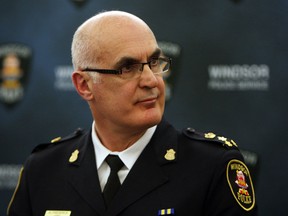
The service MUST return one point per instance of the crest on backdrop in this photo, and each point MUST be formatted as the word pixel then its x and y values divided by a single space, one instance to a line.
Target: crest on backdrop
pixel 15 60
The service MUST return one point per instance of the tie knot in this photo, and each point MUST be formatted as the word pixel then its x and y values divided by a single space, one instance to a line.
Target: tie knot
pixel 114 162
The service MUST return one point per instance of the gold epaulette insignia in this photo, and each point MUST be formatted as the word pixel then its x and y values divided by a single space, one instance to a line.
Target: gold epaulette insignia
pixel 221 138
pixel 233 143
pixel 210 136
pixel 57 139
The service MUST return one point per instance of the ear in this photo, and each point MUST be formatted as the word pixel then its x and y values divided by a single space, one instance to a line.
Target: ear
pixel 81 84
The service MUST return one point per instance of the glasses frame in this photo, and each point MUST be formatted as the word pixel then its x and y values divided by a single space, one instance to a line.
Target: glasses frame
pixel 119 71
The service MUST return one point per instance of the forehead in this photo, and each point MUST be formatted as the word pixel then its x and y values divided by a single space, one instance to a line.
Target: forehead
pixel 119 37
pixel 138 48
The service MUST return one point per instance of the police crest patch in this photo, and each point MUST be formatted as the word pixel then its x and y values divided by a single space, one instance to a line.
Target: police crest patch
pixel 240 183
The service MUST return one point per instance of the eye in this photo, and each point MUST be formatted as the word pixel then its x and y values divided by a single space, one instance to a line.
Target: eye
pixel 129 68
pixel 154 62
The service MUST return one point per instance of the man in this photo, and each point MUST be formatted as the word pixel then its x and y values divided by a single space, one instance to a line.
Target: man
pixel 118 71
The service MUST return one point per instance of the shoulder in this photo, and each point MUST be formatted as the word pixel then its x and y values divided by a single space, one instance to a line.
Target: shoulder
pixel 224 155
pixel 59 151
pixel 211 138
pixel 216 147
pixel 59 141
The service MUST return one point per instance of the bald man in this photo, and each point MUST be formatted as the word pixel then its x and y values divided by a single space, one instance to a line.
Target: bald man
pixel 118 70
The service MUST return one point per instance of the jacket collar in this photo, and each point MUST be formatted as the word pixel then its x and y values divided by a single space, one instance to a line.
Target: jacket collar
pixel 145 176
pixel 83 173
pixel 147 173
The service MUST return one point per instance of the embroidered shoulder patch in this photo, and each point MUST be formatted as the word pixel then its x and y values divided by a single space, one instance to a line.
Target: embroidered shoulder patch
pixel 240 183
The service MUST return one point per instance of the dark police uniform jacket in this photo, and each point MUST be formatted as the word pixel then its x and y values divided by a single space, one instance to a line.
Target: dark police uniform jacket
pixel 178 173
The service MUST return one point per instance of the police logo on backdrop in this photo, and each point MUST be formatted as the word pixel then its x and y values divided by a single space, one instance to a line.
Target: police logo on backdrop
pixel 15 61
pixel 173 51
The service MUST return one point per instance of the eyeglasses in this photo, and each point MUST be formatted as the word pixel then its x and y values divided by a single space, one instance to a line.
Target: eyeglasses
pixel 158 66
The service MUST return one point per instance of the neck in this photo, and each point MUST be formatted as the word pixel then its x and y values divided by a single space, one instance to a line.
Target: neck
pixel 118 140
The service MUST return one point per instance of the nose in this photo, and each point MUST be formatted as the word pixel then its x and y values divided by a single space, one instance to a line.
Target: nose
pixel 147 77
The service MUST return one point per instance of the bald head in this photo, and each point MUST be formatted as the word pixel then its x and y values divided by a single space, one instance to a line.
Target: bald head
pixel 95 39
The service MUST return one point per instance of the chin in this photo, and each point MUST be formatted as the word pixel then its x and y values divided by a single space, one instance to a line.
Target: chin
pixel 147 118
pixel 153 119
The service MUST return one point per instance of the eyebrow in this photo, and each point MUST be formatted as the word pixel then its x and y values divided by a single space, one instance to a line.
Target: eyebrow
pixel 130 60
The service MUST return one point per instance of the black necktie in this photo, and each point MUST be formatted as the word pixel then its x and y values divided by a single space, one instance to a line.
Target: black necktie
pixel 113 183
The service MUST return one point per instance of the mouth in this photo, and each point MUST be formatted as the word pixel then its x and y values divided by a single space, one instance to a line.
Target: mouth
pixel 148 100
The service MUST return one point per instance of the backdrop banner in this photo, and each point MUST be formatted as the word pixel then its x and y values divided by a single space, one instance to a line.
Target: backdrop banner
pixel 229 62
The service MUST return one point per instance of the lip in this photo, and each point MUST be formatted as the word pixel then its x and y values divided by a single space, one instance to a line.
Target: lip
pixel 148 100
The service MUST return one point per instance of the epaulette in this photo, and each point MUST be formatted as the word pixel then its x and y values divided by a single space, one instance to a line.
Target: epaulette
pixel 210 137
pixel 57 140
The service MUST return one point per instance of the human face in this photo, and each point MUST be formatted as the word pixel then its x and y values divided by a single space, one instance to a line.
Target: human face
pixel 136 104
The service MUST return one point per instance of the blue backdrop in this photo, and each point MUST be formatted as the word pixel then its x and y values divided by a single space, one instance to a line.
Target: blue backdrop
pixel 229 76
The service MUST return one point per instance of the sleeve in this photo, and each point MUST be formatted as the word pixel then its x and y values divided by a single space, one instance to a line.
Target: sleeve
pixel 232 190
pixel 20 201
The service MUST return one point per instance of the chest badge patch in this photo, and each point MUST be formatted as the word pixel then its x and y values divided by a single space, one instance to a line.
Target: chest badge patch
pixel 74 156
pixel 170 155
pixel 240 183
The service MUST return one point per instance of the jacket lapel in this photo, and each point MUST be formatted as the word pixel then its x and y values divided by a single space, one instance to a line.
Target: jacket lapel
pixel 147 173
pixel 84 176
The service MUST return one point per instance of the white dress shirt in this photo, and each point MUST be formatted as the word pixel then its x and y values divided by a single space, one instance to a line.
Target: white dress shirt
pixel 128 156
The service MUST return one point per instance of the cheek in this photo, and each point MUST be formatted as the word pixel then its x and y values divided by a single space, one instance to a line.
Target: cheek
pixel 123 88
pixel 162 94
pixel 161 86
pixel 116 91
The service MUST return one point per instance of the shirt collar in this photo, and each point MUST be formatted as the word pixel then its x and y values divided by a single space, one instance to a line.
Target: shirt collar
pixel 129 155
